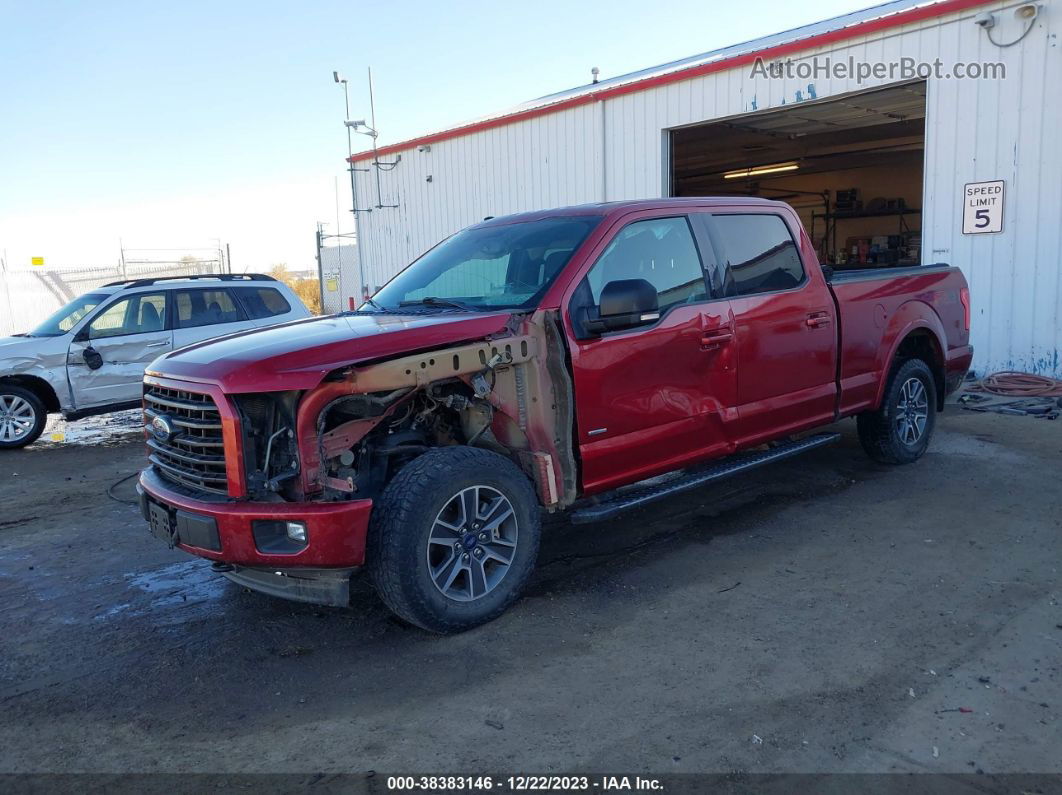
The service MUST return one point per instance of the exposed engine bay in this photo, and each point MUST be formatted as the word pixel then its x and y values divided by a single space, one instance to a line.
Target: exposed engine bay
pixel 348 437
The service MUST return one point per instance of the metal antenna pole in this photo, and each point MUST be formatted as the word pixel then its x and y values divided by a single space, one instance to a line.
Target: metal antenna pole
pixel 375 156
pixel 353 189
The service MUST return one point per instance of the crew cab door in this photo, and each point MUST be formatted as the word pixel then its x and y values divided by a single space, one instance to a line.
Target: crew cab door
pixel 106 359
pixel 658 395
pixel 784 324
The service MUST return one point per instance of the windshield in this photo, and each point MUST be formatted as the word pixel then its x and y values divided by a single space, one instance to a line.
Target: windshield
pixel 494 267
pixel 66 318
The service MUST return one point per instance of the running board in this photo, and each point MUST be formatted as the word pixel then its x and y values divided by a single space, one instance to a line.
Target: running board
pixel 718 471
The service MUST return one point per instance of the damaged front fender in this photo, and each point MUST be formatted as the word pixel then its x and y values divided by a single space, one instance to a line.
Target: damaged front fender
pixel 511 393
pixel 38 364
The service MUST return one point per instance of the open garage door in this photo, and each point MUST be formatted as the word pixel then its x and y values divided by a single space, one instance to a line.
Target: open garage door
pixel 851 166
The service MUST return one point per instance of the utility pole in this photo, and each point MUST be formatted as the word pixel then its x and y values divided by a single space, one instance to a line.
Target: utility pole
pixel 320 268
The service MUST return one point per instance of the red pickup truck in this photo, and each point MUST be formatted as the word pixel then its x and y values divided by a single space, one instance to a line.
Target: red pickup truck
pixel 537 361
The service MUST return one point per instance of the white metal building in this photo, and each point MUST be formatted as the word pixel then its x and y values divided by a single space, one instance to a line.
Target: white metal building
pixel 879 165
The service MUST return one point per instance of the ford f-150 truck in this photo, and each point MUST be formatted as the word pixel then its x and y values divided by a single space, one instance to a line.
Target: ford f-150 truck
pixel 549 360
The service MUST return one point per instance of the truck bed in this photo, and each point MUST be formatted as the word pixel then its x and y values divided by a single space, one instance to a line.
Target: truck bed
pixel 873 306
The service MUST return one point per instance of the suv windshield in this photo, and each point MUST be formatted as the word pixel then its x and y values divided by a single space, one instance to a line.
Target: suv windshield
pixel 66 318
pixel 506 266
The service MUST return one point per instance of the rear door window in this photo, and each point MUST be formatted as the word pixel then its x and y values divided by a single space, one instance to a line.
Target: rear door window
pixel 758 254
pixel 263 302
pixel 206 308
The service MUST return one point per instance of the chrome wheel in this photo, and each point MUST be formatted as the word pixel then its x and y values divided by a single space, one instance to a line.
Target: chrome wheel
pixel 912 411
pixel 17 418
pixel 472 543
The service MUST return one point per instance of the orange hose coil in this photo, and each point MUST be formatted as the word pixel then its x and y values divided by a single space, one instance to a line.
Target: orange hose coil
pixel 1015 384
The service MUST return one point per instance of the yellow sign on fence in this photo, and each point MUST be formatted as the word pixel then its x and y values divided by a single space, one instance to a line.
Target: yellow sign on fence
pixel 36 260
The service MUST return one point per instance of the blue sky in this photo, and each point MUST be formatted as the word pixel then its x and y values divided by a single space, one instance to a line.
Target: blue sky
pixel 175 123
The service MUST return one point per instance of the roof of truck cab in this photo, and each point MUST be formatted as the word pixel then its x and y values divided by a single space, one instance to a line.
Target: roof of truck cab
pixel 616 208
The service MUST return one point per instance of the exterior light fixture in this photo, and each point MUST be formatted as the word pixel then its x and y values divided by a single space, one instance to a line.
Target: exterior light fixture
pixel 296 531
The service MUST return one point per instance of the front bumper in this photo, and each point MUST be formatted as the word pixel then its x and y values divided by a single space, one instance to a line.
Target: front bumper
pixel 335 531
pixel 317 586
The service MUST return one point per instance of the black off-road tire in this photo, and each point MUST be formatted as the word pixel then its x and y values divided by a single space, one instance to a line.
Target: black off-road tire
pixel 880 432
pixel 9 394
pixel 403 518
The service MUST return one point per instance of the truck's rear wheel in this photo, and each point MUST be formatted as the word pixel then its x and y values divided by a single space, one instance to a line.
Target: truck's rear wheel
pixel 453 538
pixel 899 431
pixel 22 417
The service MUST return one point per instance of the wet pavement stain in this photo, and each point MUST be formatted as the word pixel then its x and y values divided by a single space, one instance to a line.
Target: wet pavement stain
pixel 115 428
pixel 189 585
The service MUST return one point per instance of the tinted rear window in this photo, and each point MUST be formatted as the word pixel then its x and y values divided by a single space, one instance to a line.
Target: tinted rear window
pixel 262 302
pixel 759 254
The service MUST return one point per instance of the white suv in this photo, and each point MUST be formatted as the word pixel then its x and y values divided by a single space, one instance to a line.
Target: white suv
pixel 89 357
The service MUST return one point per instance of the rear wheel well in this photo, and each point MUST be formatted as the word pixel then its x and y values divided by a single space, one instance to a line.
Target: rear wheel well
pixel 37 386
pixel 922 344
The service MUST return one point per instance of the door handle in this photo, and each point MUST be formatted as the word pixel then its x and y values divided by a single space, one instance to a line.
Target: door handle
pixel 817 320
pixel 713 340
pixel 156 344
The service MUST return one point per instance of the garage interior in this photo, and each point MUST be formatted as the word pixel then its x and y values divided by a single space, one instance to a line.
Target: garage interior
pixel 851 167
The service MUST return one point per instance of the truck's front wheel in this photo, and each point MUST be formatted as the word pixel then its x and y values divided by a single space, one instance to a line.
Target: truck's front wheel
pixel 453 539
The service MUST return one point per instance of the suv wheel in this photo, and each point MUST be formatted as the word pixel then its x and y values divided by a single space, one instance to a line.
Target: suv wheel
pixel 899 431
pixel 454 538
pixel 22 417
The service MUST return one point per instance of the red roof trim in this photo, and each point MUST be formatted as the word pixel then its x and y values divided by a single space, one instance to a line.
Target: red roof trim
pixel 818 40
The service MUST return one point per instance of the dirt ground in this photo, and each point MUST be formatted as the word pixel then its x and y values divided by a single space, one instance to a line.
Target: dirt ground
pixel 826 614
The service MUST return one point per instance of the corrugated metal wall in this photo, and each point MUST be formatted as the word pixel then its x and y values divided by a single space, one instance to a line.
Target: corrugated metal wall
pixel 616 149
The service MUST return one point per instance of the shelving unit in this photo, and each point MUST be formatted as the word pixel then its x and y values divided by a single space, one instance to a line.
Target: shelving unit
pixel 831 219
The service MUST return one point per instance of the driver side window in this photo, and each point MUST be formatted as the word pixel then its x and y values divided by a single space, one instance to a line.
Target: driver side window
pixel 133 315
pixel 659 250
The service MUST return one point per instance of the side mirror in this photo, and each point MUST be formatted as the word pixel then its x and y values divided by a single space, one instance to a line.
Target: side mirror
pixel 625 303
pixel 92 358
pixel 827 272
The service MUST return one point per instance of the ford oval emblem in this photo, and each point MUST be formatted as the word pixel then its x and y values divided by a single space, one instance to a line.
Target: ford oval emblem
pixel 162 428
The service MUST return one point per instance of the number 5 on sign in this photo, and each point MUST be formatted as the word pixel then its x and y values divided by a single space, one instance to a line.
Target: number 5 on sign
pixel 982 207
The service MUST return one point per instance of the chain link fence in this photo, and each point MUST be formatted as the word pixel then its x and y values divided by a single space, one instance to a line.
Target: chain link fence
pixel 29 296
pixel 339 277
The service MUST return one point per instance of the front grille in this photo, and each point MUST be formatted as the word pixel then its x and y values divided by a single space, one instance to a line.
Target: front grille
pixel 194 456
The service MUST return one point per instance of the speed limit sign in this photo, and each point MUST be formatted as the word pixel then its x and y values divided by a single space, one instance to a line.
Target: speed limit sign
pixel 982 207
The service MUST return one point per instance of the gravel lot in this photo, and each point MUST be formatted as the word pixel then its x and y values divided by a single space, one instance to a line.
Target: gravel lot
pixel 827 614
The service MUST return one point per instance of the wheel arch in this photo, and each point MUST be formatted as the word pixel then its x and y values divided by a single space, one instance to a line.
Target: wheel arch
pixel 916 333
pixel 37 385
